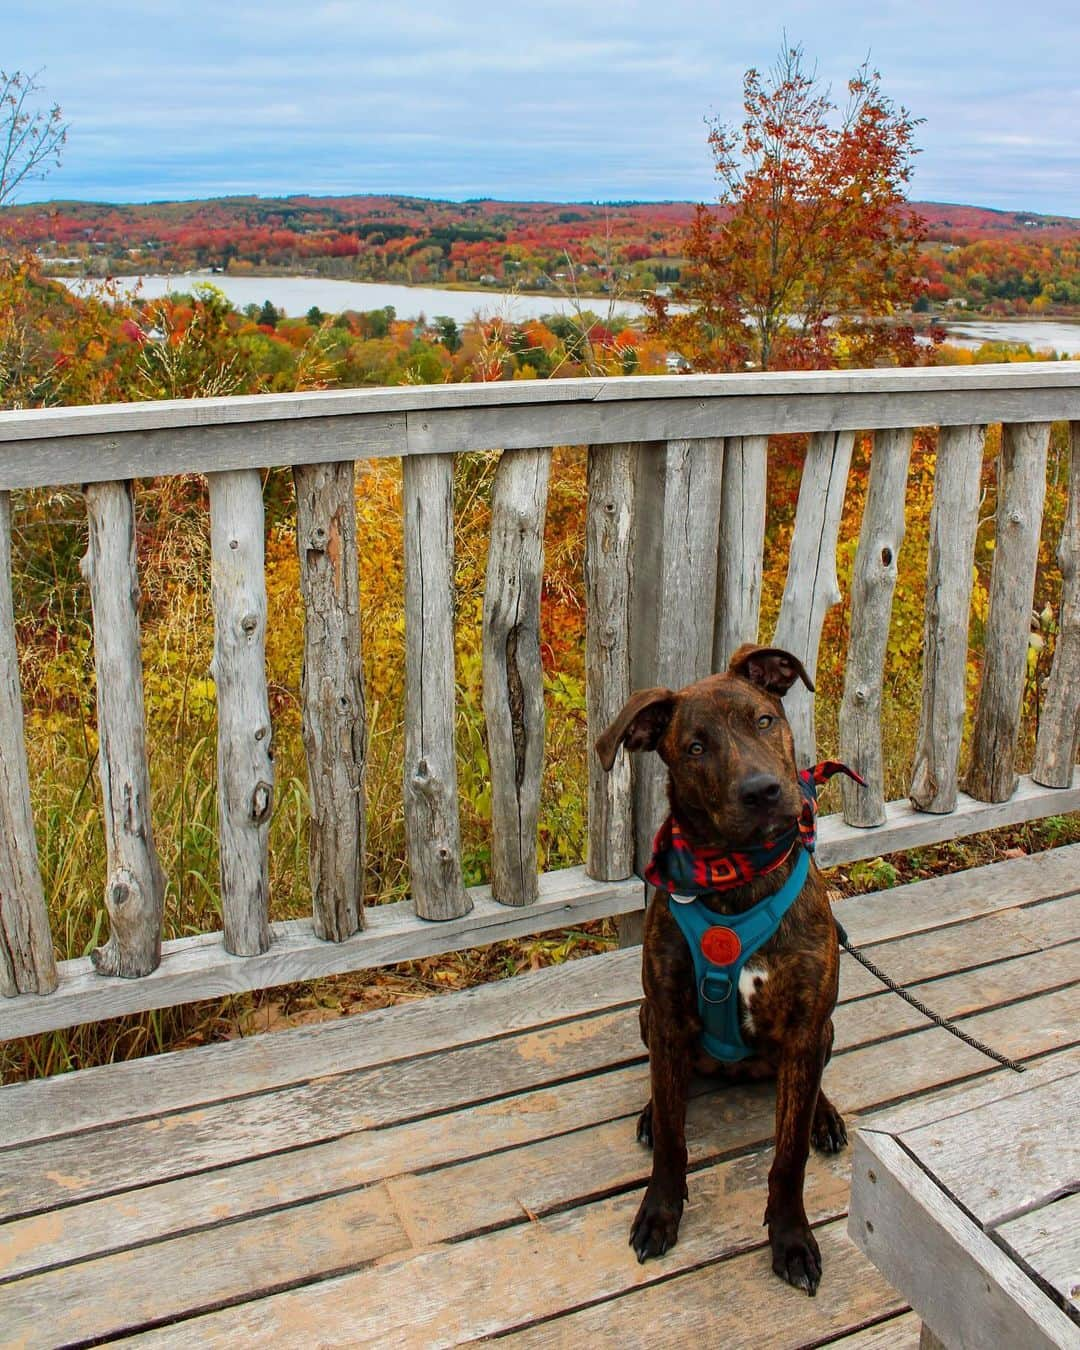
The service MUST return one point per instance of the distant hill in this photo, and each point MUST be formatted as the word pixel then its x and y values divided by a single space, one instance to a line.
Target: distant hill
pixel 1000 262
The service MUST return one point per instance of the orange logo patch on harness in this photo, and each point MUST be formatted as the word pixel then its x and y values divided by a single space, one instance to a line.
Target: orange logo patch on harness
pixel 720 945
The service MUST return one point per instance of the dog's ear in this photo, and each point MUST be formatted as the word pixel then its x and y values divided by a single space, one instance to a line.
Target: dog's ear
pixel 639 726
pixel 771 668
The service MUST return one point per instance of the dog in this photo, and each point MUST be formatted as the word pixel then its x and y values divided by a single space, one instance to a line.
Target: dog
pixel 738 825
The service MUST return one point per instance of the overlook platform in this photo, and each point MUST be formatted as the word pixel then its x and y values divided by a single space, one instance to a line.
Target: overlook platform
pixel 465 1168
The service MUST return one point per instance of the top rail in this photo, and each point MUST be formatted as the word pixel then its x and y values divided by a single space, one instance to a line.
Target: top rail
pixel 142 440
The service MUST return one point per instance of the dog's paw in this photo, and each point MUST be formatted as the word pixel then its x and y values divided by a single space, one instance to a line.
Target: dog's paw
pixel 644 1126
pixel 829 1134
pixel 656 1228
pixel 796 1256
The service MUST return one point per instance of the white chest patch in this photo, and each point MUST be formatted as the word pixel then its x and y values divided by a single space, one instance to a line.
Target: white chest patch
pixel 751 982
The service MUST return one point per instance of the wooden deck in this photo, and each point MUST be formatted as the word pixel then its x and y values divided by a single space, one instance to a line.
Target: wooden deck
pixel 466 1168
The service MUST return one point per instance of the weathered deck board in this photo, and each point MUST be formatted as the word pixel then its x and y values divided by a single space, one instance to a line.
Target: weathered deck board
pixel 370 1180
pixel 1041 1239
pixel 600 1110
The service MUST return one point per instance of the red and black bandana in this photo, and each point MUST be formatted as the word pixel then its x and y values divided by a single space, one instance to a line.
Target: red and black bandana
pixel 679 868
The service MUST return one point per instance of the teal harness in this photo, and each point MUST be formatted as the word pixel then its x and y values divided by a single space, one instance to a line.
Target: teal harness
pixel 721 945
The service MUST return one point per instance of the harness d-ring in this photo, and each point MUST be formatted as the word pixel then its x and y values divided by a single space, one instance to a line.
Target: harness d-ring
pixel 728 983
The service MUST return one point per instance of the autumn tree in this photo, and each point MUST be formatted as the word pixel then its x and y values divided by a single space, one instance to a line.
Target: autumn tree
pixel 30 138
pixel 812 249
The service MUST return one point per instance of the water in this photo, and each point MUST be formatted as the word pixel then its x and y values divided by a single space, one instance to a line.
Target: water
pixel 296 295
pixel 1041 335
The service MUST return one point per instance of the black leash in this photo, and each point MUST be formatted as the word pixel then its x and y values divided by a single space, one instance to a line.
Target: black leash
pixel 919 1006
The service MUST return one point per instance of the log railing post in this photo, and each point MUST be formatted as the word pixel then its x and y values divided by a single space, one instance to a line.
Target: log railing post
pixel 872 586
pixel 335 730
pixel 245 766
pixel 513 675
pixel 135 886
pixel 609 576
pixel 811 587
pixel 678 493
pixel 27 963
pixel 1059 727
pixel 432 822
pixel 741 545
pixel 1021 488
pixel 953 521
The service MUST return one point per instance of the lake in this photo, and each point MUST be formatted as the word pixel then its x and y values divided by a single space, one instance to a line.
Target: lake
pixel 296 295
pixel 1056 335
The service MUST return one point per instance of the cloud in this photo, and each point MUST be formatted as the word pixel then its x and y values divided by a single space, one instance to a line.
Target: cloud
pixel 575 99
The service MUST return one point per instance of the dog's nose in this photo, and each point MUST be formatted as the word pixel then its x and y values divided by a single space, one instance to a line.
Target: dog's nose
pixel 759 790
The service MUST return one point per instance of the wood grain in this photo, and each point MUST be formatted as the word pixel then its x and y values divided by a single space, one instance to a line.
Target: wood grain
pixel 674 602
pixel 1059 728
pixel 27 963
pixel 1021 487
pixel 332 691
pixel 873 582
pixel 432 822
pixel 953 520
pixel 811 587
pixel 135 883
pixel 245 763
pixel 609 581
pixel 741 544
pixel 513 693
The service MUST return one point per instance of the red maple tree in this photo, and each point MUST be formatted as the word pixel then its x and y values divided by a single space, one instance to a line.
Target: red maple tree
pixel 813 249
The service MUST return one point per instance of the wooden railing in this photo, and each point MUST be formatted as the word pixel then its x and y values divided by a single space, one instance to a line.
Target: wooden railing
pixel 675 516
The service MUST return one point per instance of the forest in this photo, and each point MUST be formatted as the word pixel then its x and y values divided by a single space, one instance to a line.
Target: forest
pixel 993 262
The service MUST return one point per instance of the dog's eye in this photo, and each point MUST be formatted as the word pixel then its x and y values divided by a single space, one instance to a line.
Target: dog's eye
pixel 695 748
pixel 765 720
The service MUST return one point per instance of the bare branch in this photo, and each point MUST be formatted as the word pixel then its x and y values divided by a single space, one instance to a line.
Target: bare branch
pixel 31 139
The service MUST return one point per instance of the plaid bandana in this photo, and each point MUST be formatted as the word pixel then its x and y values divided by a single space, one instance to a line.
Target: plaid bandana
pixel 681 869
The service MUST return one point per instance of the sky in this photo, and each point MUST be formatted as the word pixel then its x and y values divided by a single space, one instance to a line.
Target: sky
pixel 554 101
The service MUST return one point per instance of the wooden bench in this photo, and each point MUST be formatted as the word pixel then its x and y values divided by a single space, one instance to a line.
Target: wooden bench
pixel 971 1208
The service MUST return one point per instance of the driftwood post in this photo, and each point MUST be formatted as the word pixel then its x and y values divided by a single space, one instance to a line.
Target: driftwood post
pixel 953 521
pixel 245 766
pixel 335 729
pixel 27 964
pixel 811 587
pixel 135 887
pixel 609 560
pixel 992 776
pixel 1059 727
pixel 872 586
pixel 742 539
pixel 678 497
pixel 432 828
pixel 513 676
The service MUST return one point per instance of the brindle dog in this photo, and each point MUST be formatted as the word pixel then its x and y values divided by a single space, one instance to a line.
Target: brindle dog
pixel 733 784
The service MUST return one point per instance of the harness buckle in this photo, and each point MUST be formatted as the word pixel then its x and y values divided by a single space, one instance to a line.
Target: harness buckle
pixel 713 982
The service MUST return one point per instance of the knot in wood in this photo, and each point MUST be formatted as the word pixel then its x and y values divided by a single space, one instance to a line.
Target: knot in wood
pixel 1016 517
pixel 249 623
pixel 861 696
pixel 261 799
pixel 234 543
pixel 260 733
pixel 123 887
pixel 886 556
